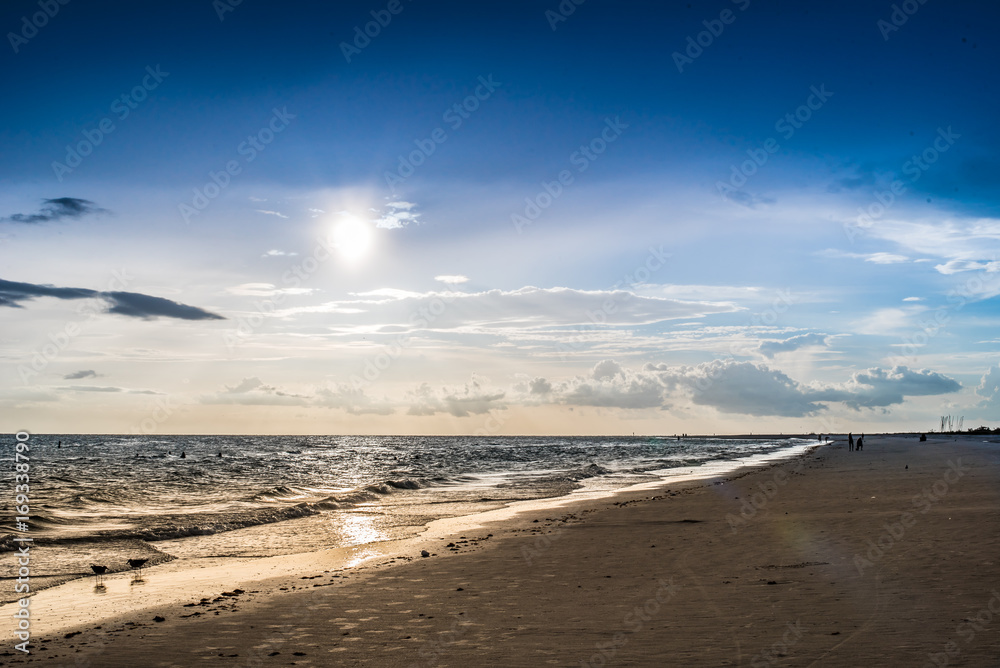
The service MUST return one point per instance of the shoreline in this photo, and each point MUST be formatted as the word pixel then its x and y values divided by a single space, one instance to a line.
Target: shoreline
pixel 541 585
pixel 58 607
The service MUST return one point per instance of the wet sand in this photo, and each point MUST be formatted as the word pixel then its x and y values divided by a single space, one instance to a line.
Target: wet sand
pixel 883 557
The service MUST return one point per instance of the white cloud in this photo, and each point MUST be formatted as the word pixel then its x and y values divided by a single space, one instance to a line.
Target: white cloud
pixel 254 392
pixel 886 258
pixel 449 279
pixel 875 258
pixel 274 252
pixel 397 215
pixel 748 388
pixel 503 310
pixel 989 390
pixel 888 320
pixel 771 348
pixel 271 213
pixel 957 266
pixel 913 299
pixel 265 290
pixel 605 370
pixel 474 398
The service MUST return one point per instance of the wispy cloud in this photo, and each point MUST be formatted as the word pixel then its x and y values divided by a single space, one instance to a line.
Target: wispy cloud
pixel 771 348
pixel 452 280
pixel 397 215
pixel 271 213
pixel 874 258
pixel 77 375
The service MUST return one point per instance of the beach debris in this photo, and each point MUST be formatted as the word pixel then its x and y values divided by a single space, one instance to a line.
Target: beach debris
pixel 159 619
pixel 424 553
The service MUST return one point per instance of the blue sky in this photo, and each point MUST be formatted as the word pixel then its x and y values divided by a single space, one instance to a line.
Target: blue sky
pixel 498 217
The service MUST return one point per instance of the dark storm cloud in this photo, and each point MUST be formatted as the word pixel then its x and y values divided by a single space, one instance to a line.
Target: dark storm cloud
pixel 56 209
pixel 131 304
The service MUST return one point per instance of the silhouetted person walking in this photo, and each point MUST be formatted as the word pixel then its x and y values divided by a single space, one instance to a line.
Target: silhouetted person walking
pixel 850 442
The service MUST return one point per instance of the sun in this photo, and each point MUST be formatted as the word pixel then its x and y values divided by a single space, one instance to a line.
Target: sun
pixel 352 238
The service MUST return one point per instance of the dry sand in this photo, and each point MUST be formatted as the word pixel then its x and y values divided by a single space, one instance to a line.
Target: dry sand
pixel 883 557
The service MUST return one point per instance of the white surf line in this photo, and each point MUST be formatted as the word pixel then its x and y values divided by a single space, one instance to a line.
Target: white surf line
pixel 76 602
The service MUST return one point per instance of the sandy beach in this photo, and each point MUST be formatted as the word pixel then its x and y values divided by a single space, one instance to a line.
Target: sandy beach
pixel 883 557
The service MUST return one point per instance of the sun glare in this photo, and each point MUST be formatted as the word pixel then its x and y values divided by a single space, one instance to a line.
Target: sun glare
pixel 352 238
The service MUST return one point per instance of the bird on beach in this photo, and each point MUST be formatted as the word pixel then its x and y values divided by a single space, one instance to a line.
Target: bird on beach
pixel 137 564
pixel 99 571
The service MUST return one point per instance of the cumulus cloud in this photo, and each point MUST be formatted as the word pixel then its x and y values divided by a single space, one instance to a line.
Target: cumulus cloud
pixel 606 369
pixel 132 304
pixel 56 209
pixel 989 390
pixel 84 373
pixel 474 398
pixel 624 390
pixel 254 392
pixel 743 387
pixel 397 215
pixel 540 386
pixel 353 401
pixel 875 388
pixel 771 348
pixel 747 388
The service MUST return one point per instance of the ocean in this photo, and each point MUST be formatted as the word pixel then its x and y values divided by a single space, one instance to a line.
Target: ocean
pixel 106 498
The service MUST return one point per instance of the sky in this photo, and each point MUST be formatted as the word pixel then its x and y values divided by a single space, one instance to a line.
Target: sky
pixel 417 217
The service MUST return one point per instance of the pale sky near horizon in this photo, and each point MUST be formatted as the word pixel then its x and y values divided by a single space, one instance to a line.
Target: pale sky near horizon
pixel 706 217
